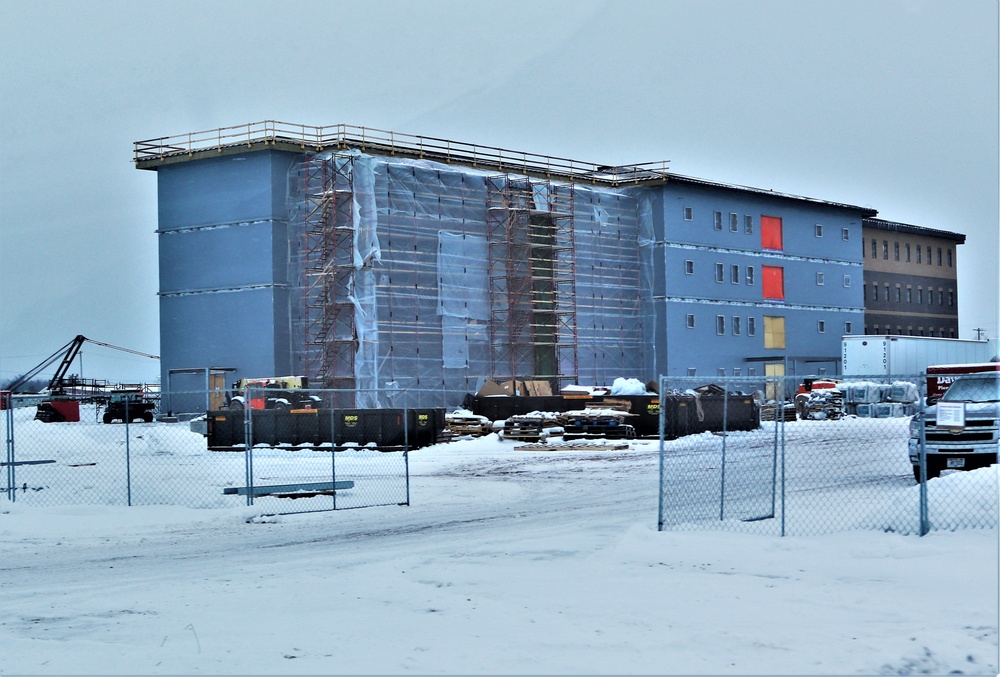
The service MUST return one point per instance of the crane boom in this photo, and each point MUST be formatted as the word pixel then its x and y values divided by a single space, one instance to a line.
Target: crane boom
pixel 68 353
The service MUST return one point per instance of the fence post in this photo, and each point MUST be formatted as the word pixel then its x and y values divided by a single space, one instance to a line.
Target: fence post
pixel 128 456
pixel 659 501
pixel 924 521
pixel 333 446
pixel 406 450
pixel 248 441
pixel 9 414
pixel 722 488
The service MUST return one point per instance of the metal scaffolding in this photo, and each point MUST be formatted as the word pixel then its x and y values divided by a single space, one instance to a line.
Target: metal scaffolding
pixel 532 280
pixel 328 266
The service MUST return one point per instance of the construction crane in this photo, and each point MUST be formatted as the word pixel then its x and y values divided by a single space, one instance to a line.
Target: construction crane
pixel 68 353
pixel 48 411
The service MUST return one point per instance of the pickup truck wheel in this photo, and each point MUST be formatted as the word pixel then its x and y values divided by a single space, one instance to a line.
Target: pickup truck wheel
pixel 236 405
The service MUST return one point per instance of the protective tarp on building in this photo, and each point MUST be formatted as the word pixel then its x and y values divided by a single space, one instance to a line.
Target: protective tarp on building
pixel 416 275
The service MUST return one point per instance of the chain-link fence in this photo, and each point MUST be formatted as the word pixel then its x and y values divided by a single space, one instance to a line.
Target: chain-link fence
pixel 788 455
pixel 281 451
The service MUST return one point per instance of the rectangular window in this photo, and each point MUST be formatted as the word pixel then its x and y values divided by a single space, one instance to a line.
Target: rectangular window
pixel 874 249
pixel 718 220
pixel 720 272
pixel 748 224
pixel 736 325
pixel 770 232
pixel 874 292
pixel 821 326
pixel 690 321
pixel 920 295
pixel 818 230
pixel 939 256
pixel 774 332
pixel 734 275
pixel 819 279
pixel 845 234
pixel 909 294
pixel 734 223
pixel 750 275
pixel 688 213
pixel 737 371
pixel 940 297
pixel 899 293
pixel 720 324
pixel 949 259
pixel 773 281
pixel 929 262
pixel 847 280
pixel 722 371
pixel 951 298
pixel 751 326
pixel 689 267
pixel 885 296
pixel 751 371
pixel 885 250
pixel 907 252
pixel 847 327
pixel 919 249
pixel 895 251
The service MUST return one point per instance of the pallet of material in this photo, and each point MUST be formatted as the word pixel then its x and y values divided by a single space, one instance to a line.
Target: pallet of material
pixel 596 423
pixel 467 424
pixel 572 446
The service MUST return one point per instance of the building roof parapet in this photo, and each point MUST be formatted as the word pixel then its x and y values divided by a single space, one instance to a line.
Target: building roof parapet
pixel 882 224
pixel 272 134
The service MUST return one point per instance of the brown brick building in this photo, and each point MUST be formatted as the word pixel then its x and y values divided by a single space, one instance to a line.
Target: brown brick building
pixel 910 279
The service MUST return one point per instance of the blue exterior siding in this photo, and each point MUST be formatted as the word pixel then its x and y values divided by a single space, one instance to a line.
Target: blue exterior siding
pixel 223 252
pixel 691 248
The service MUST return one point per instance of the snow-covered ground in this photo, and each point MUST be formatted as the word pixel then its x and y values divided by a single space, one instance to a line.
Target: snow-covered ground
pixel 505 562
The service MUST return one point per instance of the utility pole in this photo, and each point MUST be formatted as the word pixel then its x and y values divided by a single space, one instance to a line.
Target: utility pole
pixel 979 333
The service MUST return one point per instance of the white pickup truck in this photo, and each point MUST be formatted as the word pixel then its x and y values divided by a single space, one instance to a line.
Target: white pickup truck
pixel 961 431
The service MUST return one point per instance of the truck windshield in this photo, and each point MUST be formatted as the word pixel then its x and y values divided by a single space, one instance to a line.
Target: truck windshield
pixel 983 389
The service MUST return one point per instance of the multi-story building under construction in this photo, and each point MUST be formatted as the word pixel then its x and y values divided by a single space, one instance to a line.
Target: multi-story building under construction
pixel 385 264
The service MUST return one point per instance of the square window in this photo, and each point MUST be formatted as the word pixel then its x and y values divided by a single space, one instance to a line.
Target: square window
pixel 692 371
pixel 689 267
pixel 720 272
pixel 774 332
pixel 722 371
pixel 773 281
pixel 818 229
pixel 847 280
pixel 750 275
pixel 720 324
pixel 688 213
pixel 734 223
pixel 847 327
pixel 845 234
pixel 737 371
pixel 718 220
pixel 819 279
pixel 748 224
pixel 821 326
pixel 770 232
pixel 734 274
pixel 751 371
pixel 690 321
pixel 822 371
pixel 751 326
pixel 736 325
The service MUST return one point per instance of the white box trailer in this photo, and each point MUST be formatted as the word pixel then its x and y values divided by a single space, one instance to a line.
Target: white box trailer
pixel 909 355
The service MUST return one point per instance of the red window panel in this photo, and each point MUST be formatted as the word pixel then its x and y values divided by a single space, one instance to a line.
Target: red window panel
pixel 770 232
pixel 773 282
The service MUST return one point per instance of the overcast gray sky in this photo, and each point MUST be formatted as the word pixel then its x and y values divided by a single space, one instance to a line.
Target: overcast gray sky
pixel 890 104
